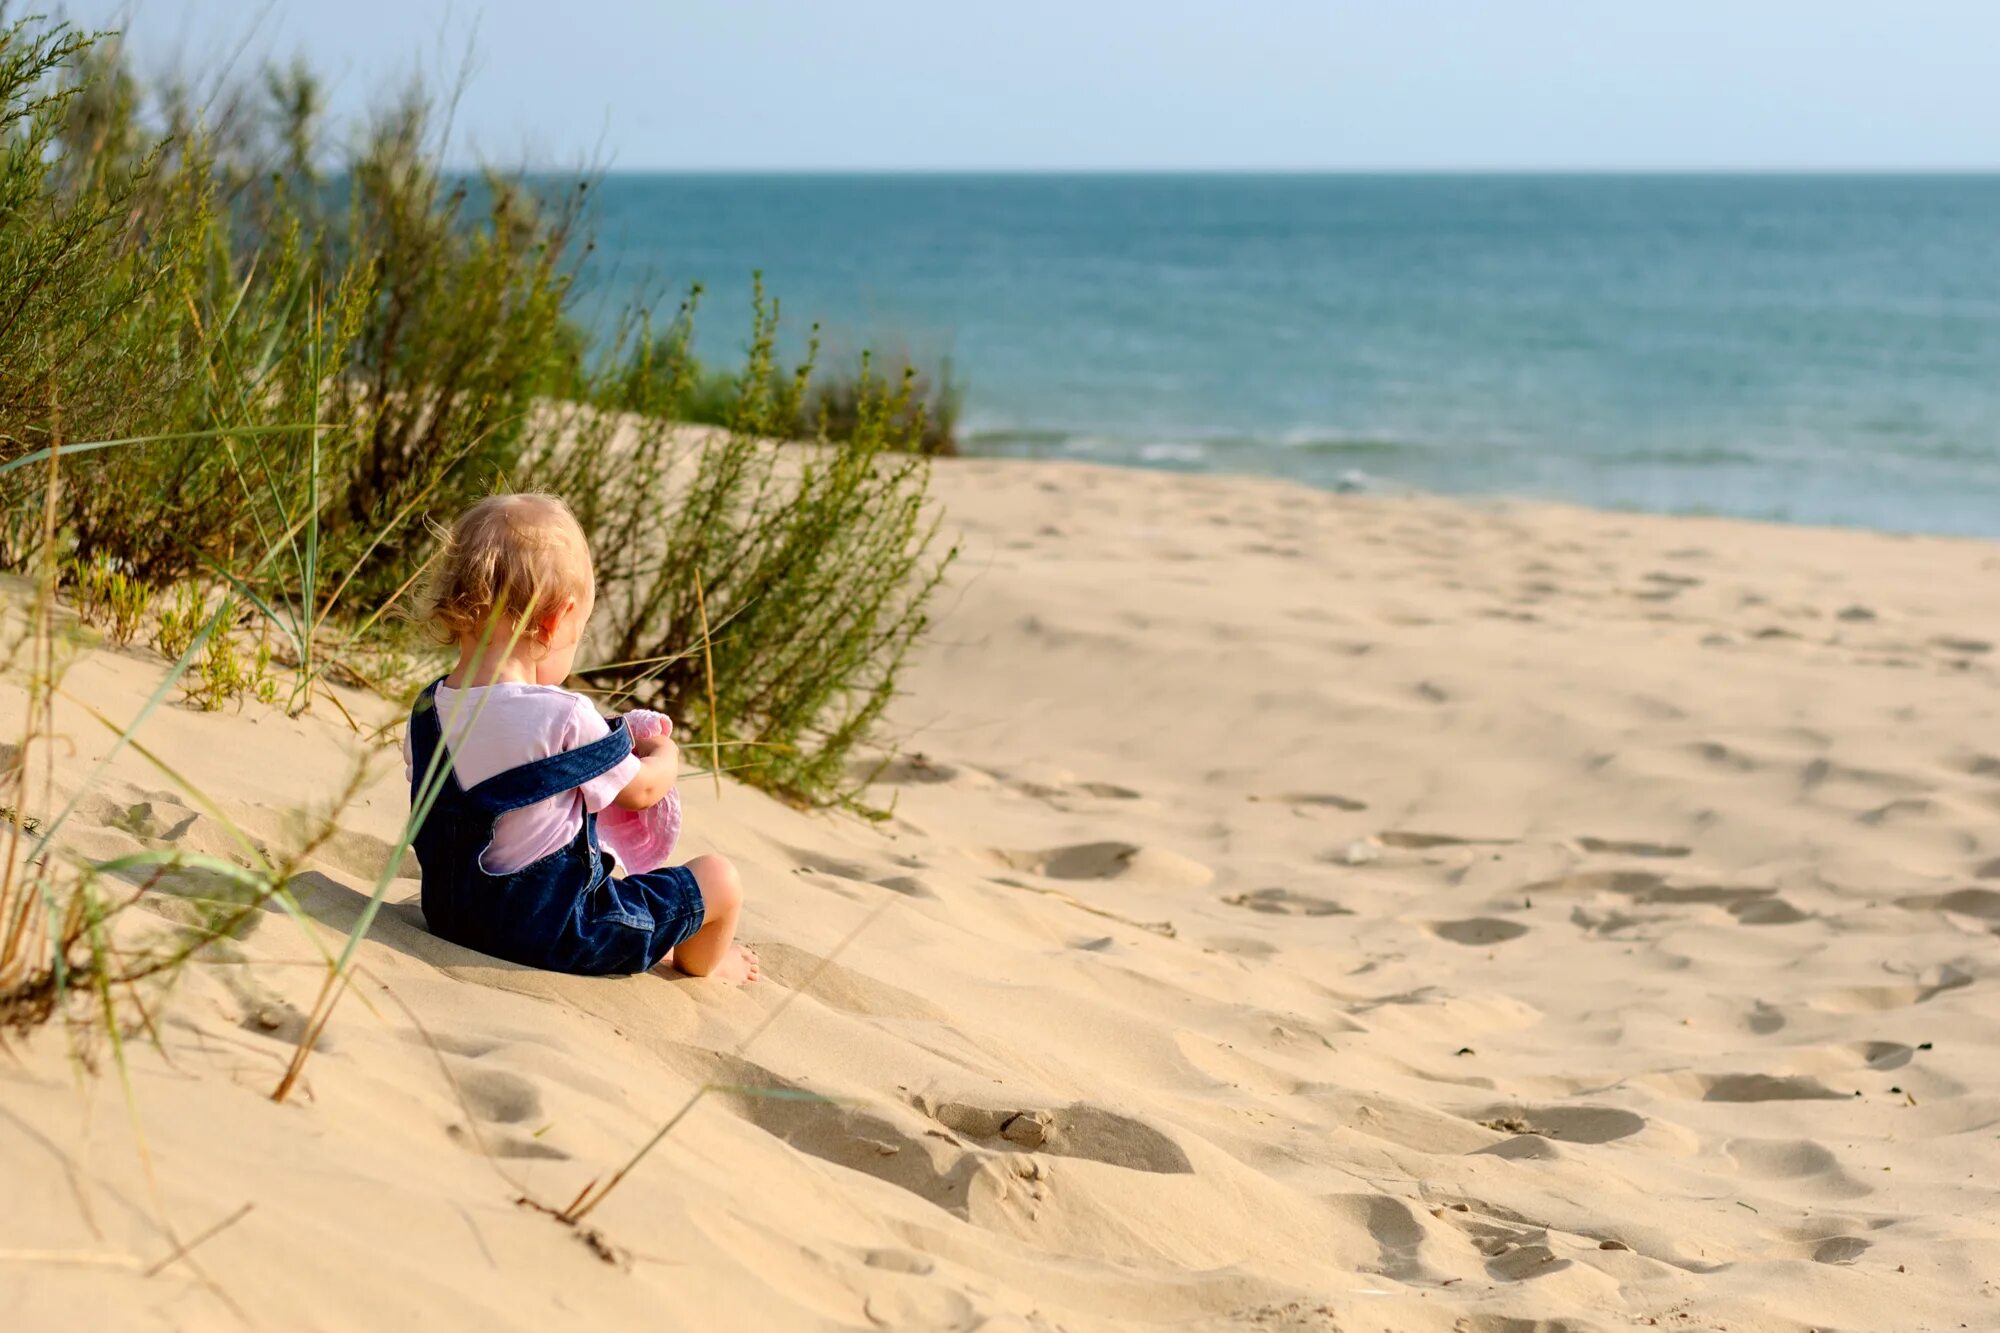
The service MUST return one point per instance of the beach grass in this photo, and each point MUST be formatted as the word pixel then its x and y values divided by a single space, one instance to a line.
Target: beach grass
pixel 279 375
pixel 238 391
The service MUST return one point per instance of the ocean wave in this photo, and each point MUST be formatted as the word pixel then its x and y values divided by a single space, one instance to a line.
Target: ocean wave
pixel 1698 456
pixel 1191 448
pixel 1355 446
pixel 1003 436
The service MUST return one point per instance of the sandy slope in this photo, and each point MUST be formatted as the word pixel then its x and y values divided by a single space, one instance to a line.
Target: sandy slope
pixel 1307 912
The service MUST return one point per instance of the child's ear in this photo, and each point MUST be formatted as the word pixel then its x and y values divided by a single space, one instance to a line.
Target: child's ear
pixel 552 622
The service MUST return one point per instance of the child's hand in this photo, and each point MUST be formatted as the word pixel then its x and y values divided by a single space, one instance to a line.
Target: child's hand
pixel 659 766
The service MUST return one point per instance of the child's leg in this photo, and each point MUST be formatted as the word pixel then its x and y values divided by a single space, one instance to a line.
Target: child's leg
pixel 713 951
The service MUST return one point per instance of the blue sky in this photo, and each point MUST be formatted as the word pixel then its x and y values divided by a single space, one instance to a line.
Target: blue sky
pixel 1366 84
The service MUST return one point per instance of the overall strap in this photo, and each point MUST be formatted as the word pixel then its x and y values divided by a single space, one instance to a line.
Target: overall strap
pixel 539 779
pixel 426 735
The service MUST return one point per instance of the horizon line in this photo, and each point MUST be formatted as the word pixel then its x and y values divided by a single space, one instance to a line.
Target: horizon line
pixel 1514 171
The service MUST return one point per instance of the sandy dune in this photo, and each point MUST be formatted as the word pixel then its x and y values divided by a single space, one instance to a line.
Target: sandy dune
pixel 1305 912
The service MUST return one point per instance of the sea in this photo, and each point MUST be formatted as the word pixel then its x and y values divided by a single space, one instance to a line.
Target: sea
pixel 1804 348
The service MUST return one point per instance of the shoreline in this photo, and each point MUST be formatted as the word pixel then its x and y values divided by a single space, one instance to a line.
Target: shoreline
pixel 1470 500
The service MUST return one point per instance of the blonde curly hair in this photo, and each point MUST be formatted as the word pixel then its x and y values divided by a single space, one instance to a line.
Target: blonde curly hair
pixel 507 556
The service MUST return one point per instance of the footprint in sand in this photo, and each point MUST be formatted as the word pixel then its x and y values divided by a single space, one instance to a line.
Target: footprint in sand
pixel 498 1095
pixel 161 820
pixel 1978 766
pixel 1817 773
pixel 1514 1253
pixel 844 877
pixel 1763 911
pixel 1413 840
pixel 1399 1233
pixel 1899 810
pixel 498 1099
pixel 1884 1055
pixel 1722 756
pixel 282 1021
pixel 1751 906
pixel 900 1261
pixel 1706 895
pixel 952 1163
pixel 1599 881
pixel 1764 1019
pixel 1766 1088
pixel 1478 931
pixel 1122 861
pixel 1570 1124
pixel 907 885
pixel 1308 801
pixel 1863 999
pixel 913 1303
pixel 1807 1164
pixel 1840 1249
pixel 932 1166
pixel 1622 847
pixel 1055 792
pixel 1078 1130
pixel 1981 903
pixel 1780 1159
pixel 203 899
pixel 1284 902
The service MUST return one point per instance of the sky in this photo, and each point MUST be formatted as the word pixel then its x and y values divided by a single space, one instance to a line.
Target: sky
pixel 1147 84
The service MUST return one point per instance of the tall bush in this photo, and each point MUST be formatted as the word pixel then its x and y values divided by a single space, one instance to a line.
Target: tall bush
pixel 768 595
pixel 306 365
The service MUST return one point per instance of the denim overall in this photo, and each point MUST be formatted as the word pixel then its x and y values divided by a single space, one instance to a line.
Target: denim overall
pixel 564 913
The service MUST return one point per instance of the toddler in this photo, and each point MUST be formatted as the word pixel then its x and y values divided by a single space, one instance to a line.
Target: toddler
pixel 511 861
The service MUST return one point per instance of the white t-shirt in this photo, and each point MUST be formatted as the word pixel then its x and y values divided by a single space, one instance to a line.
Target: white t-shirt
pixel 489 729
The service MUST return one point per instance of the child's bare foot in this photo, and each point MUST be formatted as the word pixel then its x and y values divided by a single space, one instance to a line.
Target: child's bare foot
pixel 738 966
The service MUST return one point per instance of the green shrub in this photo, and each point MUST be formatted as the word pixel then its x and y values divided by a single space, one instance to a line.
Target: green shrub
pixel 110 598
pixel 223 673
pixel 90 333
pixel 306 368
pixel 179 622
pixel 465 331
pixel 771 602
pixel 660 376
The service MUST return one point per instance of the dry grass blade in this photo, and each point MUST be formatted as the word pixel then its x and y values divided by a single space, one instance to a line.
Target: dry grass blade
pixel 175 437
pixel 708 669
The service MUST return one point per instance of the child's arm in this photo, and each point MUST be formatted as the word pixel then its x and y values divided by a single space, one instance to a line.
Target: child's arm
pixel 659 768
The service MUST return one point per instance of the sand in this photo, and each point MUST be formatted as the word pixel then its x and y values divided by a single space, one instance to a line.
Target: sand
pixel 1303 912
